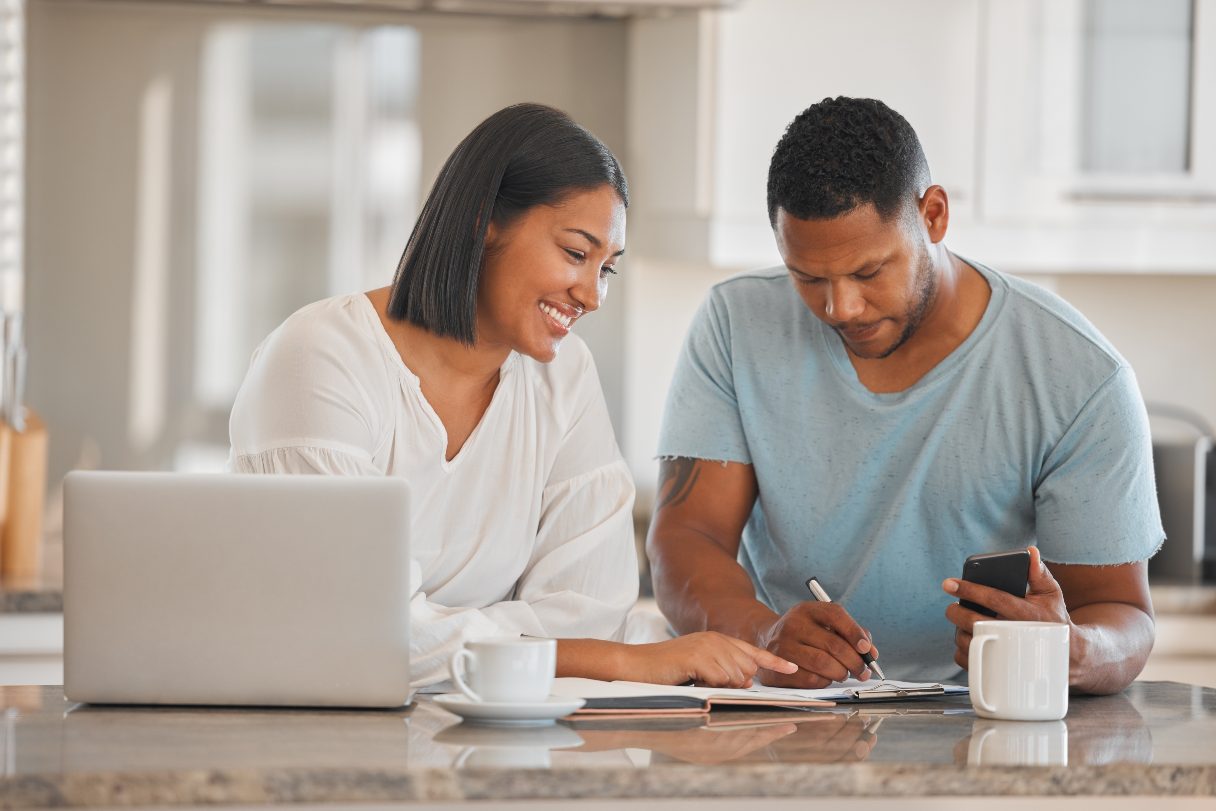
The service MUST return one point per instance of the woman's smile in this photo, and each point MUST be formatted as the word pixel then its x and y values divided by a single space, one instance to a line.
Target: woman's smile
pixel 559 317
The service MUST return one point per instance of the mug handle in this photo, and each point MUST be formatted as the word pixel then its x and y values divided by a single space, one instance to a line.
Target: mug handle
pixel 975 656
pixel 979 747
pixel 457 665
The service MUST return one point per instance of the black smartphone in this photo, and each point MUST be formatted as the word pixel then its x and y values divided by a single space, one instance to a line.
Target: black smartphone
pixel 1007 571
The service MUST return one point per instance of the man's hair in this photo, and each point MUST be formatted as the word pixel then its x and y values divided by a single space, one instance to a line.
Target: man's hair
pixel 843 153
pixel 523 156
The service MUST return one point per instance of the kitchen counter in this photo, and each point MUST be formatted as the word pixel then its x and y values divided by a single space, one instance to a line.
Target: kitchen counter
pixel 40 594
pixel 44 594
pixel 35 595
pixel 1156 738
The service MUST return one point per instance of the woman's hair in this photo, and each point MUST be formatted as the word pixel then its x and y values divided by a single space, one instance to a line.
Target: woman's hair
pixel 523 156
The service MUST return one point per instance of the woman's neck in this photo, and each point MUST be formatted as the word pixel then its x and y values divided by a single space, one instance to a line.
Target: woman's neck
pixel 438 360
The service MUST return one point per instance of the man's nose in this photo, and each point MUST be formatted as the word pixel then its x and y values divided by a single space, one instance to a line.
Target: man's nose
pixel 844 301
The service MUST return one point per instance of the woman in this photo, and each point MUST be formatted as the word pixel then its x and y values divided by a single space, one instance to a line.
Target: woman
pixel 451 378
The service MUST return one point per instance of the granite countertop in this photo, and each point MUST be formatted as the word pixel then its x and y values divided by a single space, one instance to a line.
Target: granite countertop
pixel 1156 738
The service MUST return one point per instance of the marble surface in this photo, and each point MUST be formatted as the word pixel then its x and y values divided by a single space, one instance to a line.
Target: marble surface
pixel 1157 738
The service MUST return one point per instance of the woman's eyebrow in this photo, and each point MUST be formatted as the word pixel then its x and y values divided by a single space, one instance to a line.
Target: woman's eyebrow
pixel 592 238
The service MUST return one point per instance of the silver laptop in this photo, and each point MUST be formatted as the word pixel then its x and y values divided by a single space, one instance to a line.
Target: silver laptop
pixel 236 589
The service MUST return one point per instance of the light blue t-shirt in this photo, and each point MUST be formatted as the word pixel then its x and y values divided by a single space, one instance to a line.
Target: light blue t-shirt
pixel 1031 432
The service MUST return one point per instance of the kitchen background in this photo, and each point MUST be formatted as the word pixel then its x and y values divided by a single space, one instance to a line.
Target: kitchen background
pixel 194 172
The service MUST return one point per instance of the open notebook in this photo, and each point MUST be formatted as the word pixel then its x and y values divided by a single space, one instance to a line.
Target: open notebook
pixel 631 698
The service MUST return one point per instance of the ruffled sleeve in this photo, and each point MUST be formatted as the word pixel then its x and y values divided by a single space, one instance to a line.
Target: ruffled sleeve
pixel 582 578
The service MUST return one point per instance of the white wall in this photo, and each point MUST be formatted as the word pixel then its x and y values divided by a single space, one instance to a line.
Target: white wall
pixel 89 62
pixel 90 65
pixel 1165 326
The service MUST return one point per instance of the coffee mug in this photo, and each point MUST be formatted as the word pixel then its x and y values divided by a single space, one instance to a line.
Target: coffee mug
pixel 1018 671
pixel 507 670
pixel 1013 743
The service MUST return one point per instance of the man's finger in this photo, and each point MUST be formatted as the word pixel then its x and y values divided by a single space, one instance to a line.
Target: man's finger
pixel 834 617
pixel 824 663
pixel 1040 580
pixel 1002 602
pixel 964 619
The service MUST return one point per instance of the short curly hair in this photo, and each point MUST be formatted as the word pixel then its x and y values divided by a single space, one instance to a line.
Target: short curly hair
pixel 843 153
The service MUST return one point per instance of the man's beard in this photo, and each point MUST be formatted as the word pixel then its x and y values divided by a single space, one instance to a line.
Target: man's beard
pixel 924 294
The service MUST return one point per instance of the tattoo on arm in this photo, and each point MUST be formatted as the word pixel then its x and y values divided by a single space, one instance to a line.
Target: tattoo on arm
pixel 678 478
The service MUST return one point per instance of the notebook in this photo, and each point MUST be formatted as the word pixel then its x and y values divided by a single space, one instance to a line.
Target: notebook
pixel 639 698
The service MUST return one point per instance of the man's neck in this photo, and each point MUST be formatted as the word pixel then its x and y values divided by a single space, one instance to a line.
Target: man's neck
pixel 956 310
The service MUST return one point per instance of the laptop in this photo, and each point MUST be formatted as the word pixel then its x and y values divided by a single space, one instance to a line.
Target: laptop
pixel 236 590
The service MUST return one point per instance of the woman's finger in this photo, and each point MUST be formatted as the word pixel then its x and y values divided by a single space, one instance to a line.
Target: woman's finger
pixel 763 658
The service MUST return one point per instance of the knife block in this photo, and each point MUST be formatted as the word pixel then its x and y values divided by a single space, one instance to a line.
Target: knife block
pixel 23 498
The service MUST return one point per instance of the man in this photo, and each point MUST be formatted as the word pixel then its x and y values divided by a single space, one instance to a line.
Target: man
pixel 878 410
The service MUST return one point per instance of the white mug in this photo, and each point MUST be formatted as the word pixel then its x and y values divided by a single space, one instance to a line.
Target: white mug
pixel 1018 743
pixel 510 669
pixel 1018 670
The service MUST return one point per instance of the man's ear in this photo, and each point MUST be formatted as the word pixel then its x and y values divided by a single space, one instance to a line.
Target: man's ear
pixel 934 210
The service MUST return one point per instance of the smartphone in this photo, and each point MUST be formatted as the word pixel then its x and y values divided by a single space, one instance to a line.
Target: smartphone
pixel 1007 571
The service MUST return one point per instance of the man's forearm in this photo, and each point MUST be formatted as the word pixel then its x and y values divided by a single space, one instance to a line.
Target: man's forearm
pixel 1112 643
pixel 700 588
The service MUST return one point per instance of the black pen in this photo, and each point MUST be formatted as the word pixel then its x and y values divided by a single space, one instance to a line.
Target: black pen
pixel 822 596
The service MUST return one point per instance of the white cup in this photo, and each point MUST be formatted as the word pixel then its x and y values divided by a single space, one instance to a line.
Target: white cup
pixel 507 670
pixel 1011 743
pixel 1018 671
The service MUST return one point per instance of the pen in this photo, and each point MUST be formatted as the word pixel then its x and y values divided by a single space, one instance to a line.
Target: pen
pixel 822 596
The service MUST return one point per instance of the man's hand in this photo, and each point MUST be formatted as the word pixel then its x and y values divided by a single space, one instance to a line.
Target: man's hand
pixel 823 640
pixel 1044 602
pixel 1107 608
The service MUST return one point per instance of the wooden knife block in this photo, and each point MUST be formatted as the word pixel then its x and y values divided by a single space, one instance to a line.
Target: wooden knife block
pixel 23 459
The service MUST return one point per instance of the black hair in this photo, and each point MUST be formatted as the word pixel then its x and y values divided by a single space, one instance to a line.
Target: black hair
pixel 843 153
pixel 522 156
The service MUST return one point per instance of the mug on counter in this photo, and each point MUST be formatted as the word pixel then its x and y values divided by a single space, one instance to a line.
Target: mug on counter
pixel 1018 670
pixel 517 670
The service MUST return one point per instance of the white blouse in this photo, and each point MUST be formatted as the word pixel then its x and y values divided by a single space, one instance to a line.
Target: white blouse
pixel 528 530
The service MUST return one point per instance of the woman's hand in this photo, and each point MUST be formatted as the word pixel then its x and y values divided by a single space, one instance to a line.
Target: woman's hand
pixel 706 657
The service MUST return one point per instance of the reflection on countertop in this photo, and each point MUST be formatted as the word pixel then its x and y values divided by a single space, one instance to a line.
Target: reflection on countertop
pixel 1156 738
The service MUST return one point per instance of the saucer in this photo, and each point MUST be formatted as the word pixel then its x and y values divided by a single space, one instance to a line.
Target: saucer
pixel 502 713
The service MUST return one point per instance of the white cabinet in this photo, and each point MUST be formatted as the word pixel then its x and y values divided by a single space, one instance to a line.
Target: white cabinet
pixel 31 649
pixel 710 95
pixel 1098 125
pixel 1185 650
pixel 1054 158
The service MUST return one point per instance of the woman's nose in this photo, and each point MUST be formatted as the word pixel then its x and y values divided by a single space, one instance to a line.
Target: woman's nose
pixel 589 291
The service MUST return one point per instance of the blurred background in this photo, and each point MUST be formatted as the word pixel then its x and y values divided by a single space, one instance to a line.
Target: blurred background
pixel 195 172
